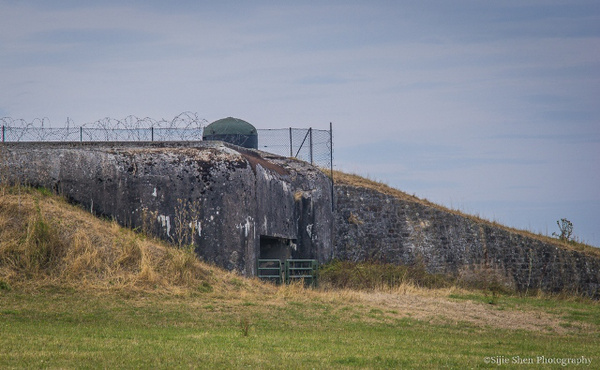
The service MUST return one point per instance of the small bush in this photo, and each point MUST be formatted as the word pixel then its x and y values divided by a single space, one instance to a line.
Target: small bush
pixel 486 278
pixel 245 325
pixel 374 275
pixel 44 191
pixel 566 230
pixel 4 285
pixel 205 287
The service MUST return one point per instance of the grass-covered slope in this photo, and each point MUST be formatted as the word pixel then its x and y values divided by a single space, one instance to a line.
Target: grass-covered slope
pixel 45 241
pixel 78 292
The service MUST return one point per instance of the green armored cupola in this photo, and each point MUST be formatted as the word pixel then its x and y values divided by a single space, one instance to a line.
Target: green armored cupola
pixel 232 130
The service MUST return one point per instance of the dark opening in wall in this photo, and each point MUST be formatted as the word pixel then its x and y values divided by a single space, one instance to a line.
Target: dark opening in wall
pixel 276 248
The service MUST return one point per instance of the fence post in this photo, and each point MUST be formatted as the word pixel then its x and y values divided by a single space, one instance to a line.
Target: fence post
pixel 81 134
pixel 152 133
pixel 331 163
pixel 291 144
pixel 2 133
pixel 311 146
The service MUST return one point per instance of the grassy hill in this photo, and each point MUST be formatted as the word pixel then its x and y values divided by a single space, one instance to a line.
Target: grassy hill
pixel 77 291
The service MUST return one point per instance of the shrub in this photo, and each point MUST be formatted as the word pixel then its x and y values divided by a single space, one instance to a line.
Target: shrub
pixel 4 285
pixel 486 278
pixel 566 229
pixel 375 275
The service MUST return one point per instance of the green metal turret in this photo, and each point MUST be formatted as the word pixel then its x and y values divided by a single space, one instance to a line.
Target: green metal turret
pixel 232 130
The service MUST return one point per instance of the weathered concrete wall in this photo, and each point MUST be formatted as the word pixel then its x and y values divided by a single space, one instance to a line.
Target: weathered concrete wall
pixel 218 197
pixel 374 226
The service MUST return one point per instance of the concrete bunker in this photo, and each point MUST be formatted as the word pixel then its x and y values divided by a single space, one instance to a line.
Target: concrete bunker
pixel 234 205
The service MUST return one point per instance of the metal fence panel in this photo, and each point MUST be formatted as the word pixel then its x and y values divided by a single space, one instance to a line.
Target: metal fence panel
pixel 307 144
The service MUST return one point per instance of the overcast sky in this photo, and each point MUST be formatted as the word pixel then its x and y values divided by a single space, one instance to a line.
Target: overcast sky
pixel 490 107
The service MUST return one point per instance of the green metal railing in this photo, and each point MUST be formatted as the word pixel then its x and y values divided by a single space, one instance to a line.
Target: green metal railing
pixel 270 269
pixel 305 270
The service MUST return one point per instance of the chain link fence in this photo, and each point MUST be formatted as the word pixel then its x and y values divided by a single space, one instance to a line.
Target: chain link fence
pixel 310 145
pixel 307 144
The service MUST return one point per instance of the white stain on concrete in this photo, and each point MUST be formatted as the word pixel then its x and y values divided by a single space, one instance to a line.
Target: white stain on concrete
pixel 154 193
pixel 309 228
pixel 197 225
pixel 165 221
pixel 245 226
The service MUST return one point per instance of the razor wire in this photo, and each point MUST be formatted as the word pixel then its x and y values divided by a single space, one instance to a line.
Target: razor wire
pixel 184 127
pixel 307 144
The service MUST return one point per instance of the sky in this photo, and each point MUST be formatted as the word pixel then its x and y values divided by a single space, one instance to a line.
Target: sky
pixel 488 107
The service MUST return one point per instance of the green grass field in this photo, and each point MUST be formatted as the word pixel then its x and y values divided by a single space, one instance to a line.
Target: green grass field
pixel 285 327
pixel 79 292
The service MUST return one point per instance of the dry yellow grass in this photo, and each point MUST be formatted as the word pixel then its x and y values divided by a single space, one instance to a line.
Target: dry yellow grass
pixel 361 182
pixel 44 240
pixel 429 305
